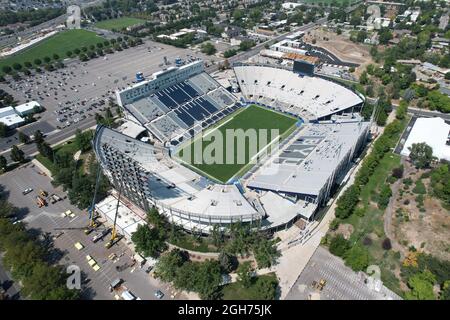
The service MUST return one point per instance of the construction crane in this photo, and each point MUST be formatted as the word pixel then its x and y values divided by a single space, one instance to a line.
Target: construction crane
pixel 97 183
pixel 114 230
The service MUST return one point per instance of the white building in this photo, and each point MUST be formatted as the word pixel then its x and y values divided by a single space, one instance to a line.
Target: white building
pixel 10 118
pixel 27 108
pixel 290 5
pixel 434 132
pixel 288 46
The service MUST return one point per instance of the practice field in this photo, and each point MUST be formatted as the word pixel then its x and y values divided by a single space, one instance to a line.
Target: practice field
pixel 60 43
pixel 118 23
pixel 256 122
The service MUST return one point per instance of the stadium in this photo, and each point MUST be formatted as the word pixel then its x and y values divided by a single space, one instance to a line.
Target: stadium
pixel 306 130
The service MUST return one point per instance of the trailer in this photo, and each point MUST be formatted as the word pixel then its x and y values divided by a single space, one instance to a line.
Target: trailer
pixel 40 202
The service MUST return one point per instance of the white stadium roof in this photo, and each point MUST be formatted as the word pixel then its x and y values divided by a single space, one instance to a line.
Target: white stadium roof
pixel 306 96
pixel 306 165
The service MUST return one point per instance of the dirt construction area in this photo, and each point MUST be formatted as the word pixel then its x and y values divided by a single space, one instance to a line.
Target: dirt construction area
pixel 340 45
pixel 419 219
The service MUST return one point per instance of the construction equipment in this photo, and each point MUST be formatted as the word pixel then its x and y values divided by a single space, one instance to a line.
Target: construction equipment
pixel 43 193
pixel 92 227
pixel 112 242
pixel 321 284
pixel 54 198
pixel 40 202
pixel 92 207
pixel 101 235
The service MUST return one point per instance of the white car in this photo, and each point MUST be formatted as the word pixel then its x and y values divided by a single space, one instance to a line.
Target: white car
pixel 27 191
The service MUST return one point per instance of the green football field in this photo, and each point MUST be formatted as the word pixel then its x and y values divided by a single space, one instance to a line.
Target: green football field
pixel 60 43
pixel 250 119
pixel 118 23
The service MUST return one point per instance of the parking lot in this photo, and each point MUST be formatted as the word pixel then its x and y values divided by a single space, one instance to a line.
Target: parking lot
pixel 49 219
pixel 76 92
pixel 342 283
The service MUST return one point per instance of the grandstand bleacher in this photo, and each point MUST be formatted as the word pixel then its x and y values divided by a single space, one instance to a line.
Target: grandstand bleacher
pixel 168 112
pixel 310 98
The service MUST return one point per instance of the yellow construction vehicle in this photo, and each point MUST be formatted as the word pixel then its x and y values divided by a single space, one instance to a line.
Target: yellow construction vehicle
pixel 321 284
pixel 43 193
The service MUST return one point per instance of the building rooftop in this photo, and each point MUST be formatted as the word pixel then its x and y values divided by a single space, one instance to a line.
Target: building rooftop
pixel 305 165
pixel 435 132
pixel 10 118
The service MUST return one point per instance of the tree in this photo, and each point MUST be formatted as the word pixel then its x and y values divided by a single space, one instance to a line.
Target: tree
pixel 17 155
pixel 357 258
pixel 421 285
pixel 384 35
pixel 37 61
pixel 208 280
pixel 3 163
pixel 447 76
pixel 246 45
pixel 384 196
pixel 244 273
pixel 339 246
pixel 148 242
pixel 55 56
pixel 363 79
pixel 47 59
pixel 83 140
pixel 227 261
pixel 17 66
pixel 347 202
pixel 229 53
pixel 168 264
pixel 401 110
pixel 45 150
pixel 3 130
pixel 38 137
pixel 421 155
pixel 361 36
pixel 208 48
pixel 386 244
pixel 265 253
pixel 24 138
pixel 6 69
pixel 265 288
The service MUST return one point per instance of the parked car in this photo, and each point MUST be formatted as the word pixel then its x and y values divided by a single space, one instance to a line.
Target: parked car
pixel 159 294
pixel 27 191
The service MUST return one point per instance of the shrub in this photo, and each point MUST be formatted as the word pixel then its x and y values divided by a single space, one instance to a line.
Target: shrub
pixel 367 241
pixel 398 172
pixel 386 244
pixel 419 188
pixel 339 246
pixel 335 224
pixel 357 258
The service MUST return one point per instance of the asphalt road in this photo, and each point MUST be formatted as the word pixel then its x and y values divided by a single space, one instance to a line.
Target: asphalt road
pixel 49 220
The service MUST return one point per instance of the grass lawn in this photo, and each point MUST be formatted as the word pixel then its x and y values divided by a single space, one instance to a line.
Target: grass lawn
pixel 188 242
pixel 235 291
pixel 372 223
pixel 118 23
pixel 215 142
pixel 59 44
pixel 68 146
